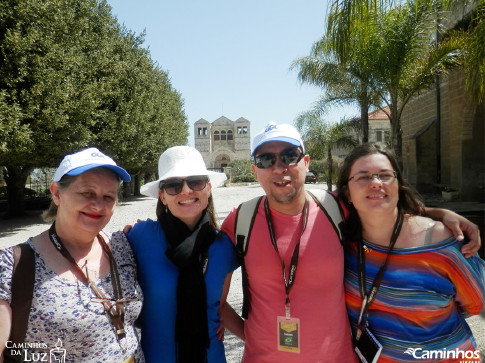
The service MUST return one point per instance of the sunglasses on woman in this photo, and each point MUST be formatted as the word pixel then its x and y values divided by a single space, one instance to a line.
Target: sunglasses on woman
pixel 174 186
pixel 288 156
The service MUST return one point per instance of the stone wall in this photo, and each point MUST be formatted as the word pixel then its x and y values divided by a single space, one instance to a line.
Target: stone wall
pixel 461 157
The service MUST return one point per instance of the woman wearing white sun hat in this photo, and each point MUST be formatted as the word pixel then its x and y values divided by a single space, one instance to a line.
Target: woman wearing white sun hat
pixel 183 262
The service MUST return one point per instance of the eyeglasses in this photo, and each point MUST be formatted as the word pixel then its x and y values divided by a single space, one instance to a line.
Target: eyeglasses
pixel 386 177
pixel 174 186
pixel 288 156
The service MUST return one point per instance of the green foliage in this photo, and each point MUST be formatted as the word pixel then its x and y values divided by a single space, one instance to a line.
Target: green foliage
pixel 321 137
pixel 473 41
pixel 318 167
pixel 29 193
pixel 241 171
pixel 392 44
pixel 72 77
pixel 345 82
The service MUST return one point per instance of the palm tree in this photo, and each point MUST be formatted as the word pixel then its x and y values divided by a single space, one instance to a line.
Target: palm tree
pixel 344 84
pixel 321 137
pixel 475 54
pixel 404 60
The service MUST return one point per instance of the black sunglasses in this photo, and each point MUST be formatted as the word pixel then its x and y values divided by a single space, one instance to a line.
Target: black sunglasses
pixel 288 156
pixel 174 186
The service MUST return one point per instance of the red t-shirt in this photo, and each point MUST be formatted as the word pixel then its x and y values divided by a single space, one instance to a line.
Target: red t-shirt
pixel 317 296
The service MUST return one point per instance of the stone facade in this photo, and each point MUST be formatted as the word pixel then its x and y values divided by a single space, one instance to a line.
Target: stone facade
pixel 379 127
pixel 379 132
pixel 445 145
pixel 222 141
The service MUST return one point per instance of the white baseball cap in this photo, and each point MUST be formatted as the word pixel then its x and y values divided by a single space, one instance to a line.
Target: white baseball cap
pixel 275 132
pixel 82 161
pixel 180 162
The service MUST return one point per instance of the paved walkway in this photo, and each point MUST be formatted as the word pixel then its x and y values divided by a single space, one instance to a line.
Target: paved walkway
pixel 18 230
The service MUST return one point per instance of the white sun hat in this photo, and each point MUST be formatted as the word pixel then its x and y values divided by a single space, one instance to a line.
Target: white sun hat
pixel 181 162
pixel 82 161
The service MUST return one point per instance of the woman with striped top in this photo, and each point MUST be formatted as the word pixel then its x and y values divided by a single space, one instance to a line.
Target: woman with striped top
pixel 407 283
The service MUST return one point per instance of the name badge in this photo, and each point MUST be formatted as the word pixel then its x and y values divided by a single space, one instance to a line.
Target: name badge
pixel 288 334
pixel 368 347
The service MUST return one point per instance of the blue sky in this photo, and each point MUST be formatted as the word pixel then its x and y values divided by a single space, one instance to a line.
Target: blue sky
pixel 232 58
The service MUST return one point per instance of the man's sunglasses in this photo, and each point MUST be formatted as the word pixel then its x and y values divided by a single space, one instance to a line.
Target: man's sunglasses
pixel 174 186
pixel 288 156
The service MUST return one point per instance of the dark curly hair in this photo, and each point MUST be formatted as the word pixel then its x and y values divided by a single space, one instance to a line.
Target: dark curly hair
pixel 409 201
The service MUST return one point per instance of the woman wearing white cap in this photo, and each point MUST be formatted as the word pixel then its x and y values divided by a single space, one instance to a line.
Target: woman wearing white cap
pixel 85 296
pixel 183 262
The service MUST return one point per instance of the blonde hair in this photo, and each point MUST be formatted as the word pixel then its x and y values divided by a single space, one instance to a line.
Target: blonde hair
pixel 50 214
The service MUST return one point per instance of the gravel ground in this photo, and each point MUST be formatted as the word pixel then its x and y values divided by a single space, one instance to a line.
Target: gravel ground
pixel 15 231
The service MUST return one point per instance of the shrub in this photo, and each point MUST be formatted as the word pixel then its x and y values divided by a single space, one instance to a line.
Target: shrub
pixel 241 171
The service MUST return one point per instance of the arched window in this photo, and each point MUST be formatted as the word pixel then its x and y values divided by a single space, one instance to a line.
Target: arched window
pixel 229 135
pixel 216 136
pixel 223 135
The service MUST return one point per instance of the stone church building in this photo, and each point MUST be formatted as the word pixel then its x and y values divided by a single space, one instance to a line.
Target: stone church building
pixel 222 141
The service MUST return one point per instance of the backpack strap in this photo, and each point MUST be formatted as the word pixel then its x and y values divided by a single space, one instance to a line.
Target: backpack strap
pixel 23 278
pixel 245 215
pixel 329 204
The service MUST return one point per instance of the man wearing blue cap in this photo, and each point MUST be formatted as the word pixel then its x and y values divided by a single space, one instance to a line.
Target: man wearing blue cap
pixel 293 262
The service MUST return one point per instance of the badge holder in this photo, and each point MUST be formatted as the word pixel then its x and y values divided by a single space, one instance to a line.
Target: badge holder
pixel 288 333
pixel 367 346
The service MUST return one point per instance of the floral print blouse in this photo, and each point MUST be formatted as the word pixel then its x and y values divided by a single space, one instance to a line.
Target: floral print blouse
pixel 64 319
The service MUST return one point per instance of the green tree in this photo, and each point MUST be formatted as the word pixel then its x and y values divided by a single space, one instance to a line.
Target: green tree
pixel 321 137
pixel 344 83
pixel 473 40
pixel 405 62
pixel 40 81
pixel 142 109
pixel 72 77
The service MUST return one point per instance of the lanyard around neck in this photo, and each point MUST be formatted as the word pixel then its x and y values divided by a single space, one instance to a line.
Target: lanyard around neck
pixel 115 311
pixel 367 299
pixel 294 258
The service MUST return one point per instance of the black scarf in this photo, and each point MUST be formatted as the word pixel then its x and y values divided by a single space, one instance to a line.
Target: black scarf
pixel 187 250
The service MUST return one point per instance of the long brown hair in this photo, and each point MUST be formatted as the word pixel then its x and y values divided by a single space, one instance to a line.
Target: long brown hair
pixel 409 201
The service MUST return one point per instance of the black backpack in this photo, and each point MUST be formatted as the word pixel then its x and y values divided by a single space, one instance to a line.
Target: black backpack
pixel 23 278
